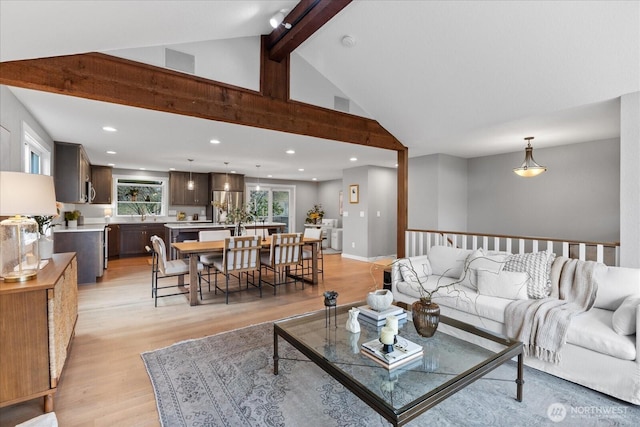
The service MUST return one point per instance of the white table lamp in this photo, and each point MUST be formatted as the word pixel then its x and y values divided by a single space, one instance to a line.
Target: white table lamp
pixel 22 194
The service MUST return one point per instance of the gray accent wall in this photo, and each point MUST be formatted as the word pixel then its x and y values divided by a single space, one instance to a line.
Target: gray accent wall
pixel 438 193
pixel 329 197
pixel 577 198
pixel 630 180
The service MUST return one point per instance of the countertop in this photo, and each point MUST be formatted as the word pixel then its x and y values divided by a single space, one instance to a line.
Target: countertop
pixel 188 225
pixel 79 229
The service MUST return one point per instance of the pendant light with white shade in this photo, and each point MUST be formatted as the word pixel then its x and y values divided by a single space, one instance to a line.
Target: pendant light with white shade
pixel 258 174
pixel 529 167
pixel 190 184
pixel 226 180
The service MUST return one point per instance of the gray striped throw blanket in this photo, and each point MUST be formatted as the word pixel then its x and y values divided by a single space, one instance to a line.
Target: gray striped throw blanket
pixel 542 324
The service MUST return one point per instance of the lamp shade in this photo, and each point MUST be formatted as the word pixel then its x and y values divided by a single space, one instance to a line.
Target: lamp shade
pixel 26 194
pixel 529 168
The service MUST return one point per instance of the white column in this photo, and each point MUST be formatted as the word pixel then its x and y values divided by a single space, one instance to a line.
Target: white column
pixel 630 180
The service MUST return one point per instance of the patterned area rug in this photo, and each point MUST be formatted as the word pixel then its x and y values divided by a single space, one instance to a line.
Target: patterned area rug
pixel 228 380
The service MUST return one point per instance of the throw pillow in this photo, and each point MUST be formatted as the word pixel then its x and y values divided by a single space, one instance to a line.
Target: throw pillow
pixel 505 284
pixel 538 266
pixel 447 261
pixel 415 269
pixel 624 318
pixel 479 260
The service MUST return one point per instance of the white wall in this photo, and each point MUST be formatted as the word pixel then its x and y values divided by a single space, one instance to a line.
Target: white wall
pixel 12 114
pixel 630 180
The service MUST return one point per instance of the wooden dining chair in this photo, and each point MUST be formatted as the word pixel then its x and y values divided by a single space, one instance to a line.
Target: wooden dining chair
pixel 207 260
pixel 161 268
pixel 240 255
pixel 307 252
pixel 284 254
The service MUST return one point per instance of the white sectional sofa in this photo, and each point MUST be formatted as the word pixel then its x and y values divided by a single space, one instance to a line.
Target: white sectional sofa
pixel 601 349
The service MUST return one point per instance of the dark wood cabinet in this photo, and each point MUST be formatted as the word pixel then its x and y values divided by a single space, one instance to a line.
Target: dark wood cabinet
pixel 114 240
pixel 235 180
pixel 180 195
pixel 72 171
pixel 134 238
pixel 101 179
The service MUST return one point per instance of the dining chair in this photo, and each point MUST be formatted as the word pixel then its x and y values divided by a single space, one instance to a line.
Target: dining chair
pixel 284 253
pixel 241 254
pixel 161 268
pixel 307 252
pixel 207 260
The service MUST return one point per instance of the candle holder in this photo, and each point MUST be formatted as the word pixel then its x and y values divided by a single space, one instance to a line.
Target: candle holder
pixel 330 300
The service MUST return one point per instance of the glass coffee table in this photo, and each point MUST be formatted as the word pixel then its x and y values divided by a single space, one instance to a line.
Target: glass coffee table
pixel 448 365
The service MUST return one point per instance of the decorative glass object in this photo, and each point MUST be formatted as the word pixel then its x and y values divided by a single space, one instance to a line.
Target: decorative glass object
pixel 426 316
pixel 20 258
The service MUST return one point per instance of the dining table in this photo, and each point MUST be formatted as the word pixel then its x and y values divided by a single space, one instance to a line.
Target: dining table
pixel 193 250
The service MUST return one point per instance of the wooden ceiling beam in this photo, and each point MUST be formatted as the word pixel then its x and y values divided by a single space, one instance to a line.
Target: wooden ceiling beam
pixel 305 19
pixel 110 79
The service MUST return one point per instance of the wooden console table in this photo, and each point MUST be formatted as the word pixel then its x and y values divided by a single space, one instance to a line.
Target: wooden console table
pixel 37 324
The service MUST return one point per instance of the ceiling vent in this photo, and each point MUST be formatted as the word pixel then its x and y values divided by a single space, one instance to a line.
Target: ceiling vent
pixel 179 61
pixel 341 104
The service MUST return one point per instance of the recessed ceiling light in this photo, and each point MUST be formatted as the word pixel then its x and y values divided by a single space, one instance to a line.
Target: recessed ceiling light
pixel 314 179
pixel 111 164
pixel 172 169
pixel 214 141
pixel 109 129
pixel 269 176
pixel 111 152
pixel 353 159
pixel 232 171
pixel 301 170
pixel 290 152
pixel 143 169
pixel 396 165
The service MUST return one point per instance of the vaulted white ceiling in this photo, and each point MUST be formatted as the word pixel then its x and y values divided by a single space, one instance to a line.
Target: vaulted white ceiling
pixel 462 78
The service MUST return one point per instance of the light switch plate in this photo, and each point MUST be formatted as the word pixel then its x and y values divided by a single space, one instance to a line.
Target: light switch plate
pixel 361 214
pixel 345 213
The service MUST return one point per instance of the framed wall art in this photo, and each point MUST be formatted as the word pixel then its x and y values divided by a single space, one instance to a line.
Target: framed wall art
pixel 354 193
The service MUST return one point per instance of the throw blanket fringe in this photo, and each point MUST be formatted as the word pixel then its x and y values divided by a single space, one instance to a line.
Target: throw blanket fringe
pixel 542 324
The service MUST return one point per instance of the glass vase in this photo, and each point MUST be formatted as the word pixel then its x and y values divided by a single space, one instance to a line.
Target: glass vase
pixel 426 316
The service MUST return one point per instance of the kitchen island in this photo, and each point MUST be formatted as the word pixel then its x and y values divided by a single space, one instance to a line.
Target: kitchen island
pixel 180 232
pixel 87 241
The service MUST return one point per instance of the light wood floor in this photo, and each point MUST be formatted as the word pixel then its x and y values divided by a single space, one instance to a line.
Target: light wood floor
pixel 104 382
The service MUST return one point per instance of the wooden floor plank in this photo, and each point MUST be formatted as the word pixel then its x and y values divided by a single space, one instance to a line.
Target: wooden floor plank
pixel 105 383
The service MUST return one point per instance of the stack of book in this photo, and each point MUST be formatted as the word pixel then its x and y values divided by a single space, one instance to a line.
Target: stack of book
pixel 379 318
pixel 404 352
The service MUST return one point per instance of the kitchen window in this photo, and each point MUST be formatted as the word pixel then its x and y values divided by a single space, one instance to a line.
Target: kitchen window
pixel 143 196
pixel 37 159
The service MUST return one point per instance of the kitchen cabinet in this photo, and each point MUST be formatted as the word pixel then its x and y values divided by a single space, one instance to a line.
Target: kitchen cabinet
pixel 134 238
pixel 199 196
pixel 72 172
pixel 113 240
pixel 37 324
pixel 235 180
pixel 88 244
pixel 102 182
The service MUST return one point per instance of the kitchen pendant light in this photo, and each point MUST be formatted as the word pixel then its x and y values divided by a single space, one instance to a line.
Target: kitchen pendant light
pixel 190 184
pixel 258 169
pixel 529 167
pixel 226 181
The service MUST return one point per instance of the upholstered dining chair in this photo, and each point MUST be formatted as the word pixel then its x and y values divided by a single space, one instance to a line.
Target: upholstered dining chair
pixel 307 252
pixel 207 260
pixel 284 254
pixel 241 254
pixel 161 268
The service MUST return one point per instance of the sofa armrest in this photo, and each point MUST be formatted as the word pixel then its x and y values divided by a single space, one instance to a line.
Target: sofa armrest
pixel 637 332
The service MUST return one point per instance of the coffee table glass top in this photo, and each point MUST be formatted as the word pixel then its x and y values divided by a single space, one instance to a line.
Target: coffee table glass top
pixel 446 360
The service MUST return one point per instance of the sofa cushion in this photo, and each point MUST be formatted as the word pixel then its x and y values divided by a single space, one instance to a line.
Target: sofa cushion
pixel 624 318
pixel 538 266
pixel 414 269
pixel 593 330
pixel 479 260
pixel 614 285
pixel 505 284
pixel 447 261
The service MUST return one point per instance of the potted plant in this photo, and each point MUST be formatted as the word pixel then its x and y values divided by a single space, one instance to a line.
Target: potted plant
pixel 239 216
pixel 315 215
pixel 72 218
